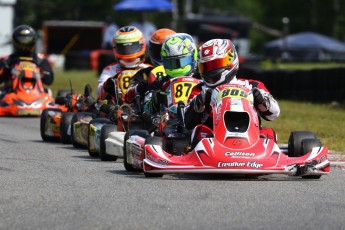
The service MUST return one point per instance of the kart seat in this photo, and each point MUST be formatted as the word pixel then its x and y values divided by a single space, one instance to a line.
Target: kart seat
pixel 200 132
pixel 28 83
pixel 28 79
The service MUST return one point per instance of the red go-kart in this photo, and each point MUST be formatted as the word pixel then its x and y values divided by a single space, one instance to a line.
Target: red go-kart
pixel 235 145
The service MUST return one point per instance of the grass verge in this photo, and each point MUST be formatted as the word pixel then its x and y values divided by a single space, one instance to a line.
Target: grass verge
pixel 300 66
pixel 326 120
pixel 78 79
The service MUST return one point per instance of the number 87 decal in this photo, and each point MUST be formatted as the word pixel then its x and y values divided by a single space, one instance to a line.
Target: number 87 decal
pixel 182 91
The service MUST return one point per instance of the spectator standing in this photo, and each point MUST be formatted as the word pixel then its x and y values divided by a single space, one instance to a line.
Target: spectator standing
pixel 146 27
pixel 108 34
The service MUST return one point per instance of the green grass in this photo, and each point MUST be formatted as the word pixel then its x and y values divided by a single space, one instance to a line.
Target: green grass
pixel 325 120
pixel 78 79
pixel 300 66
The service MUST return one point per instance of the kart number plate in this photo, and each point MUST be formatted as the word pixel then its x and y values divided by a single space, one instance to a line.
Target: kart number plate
pixel 26 112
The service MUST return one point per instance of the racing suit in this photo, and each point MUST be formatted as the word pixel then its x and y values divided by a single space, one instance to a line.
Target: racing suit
pixel 143 81
pixel 7 63
pixel 112 87
pixel 197 112
pixel 106 83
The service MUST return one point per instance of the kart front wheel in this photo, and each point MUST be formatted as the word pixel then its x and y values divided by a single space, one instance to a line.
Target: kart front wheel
pixel 106 129
pixel 154 141
pixel 295 146
pixel 76 118
pixel 44 123
pixel 141 133
pixel 66 119
pixel 307 146
pixel 92 152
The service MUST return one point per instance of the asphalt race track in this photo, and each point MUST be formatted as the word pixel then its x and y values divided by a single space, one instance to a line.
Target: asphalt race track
pixel 55 186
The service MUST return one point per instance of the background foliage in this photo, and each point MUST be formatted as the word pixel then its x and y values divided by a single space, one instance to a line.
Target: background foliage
pixel 322 16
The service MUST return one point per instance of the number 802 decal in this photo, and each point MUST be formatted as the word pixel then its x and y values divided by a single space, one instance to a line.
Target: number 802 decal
pixel 232 92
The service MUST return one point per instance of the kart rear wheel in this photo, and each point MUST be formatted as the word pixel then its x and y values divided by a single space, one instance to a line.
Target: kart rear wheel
pixel 63 92
pixel 141 133
pixel 61 96
pixel 295 148
pixel 92 152
pixel 43 123
pixel 66 119
pixel 106 129
pixel 77 117
pixel 154 141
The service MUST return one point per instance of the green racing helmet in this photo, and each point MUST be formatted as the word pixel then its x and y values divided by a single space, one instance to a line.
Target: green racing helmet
pixel 179 55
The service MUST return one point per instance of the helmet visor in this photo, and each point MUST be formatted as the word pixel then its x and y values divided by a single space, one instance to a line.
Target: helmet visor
pixel 219 63
pixel 128 48
pixel 177 62
pixel 155 51
pixel 213 76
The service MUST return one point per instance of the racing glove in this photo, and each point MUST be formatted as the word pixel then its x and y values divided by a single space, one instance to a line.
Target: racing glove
pixel 260 103
pixel 160 98
pixel 142 87
pixel 109 86
pixel 87 90
pixel 152 106
pixel 5 70
pixel 2 69
pixel 155 85
pixel 202 101
pixel 110 111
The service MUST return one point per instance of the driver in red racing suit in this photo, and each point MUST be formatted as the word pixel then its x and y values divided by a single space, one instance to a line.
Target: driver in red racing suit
pixel 219 64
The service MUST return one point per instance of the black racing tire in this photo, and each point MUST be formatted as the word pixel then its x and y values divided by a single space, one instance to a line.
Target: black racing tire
pixel 61 96
pixel 154 141
pixel 63 92
pixel 66 119
pixel 141 133
pixel 307 146
pixel 94 153
pixel 76 117
pixel 60 100
pixel 106 129
pixel 43 122
pixel 295 142
pixel 312 177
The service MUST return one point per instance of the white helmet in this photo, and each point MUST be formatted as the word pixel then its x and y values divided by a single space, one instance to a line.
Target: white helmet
pixel 218 62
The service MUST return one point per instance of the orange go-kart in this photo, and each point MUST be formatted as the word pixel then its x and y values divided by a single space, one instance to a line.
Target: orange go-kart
pixel 27 96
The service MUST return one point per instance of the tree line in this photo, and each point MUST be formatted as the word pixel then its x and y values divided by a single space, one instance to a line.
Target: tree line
pixel 323 16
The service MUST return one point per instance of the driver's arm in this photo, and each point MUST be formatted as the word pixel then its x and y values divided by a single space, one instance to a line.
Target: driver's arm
pixel 46 72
